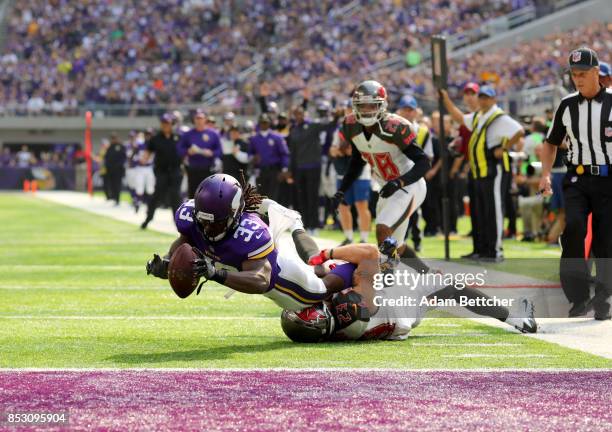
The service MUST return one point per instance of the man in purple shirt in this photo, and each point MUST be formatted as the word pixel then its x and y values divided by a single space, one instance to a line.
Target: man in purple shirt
pixel 270 156
pixel 203 149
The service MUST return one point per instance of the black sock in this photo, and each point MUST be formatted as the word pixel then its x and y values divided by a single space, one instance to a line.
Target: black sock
pixel 304 244
pixel 410 258
pixel 497 312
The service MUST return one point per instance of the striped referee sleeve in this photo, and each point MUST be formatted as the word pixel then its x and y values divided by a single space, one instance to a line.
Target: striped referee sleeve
pixel 556 133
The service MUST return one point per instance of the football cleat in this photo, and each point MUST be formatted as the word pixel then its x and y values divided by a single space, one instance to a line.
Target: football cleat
pixel 524 321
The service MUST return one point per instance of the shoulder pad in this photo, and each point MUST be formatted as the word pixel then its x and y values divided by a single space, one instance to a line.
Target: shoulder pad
pixel 184 218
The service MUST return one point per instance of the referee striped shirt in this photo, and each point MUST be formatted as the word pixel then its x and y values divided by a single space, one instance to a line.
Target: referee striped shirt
pixel 588 126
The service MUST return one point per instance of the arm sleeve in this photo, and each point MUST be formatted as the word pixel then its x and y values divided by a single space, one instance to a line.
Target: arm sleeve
pixel 263 104
pixel 405 139
pixel 557 130
pixel 217 148
pixel 283 151
pixel 183 145
pixel 355 167
pixel 251 147
pixel 421 164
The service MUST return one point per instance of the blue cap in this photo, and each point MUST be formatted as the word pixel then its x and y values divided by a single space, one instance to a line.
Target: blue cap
pixel 408 101
pixel 487 91
pixel 604 69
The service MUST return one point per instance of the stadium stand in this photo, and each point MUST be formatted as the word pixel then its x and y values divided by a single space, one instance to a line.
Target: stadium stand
pixel 176 52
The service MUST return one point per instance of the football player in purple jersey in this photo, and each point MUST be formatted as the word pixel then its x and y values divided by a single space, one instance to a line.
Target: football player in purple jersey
pixel 238 248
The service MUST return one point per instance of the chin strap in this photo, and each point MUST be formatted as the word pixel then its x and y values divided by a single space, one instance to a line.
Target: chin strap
pixel 382 131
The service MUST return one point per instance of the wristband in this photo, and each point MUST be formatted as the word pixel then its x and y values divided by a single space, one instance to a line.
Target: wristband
pixel 220 276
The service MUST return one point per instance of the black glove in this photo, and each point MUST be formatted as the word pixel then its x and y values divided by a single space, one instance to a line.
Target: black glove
pixel 390 188
pixel 204 267
pixel 337 199
pixel 158 267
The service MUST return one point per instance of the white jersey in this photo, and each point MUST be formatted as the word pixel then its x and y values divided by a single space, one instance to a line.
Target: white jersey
pixel 401 309
pixel 383 149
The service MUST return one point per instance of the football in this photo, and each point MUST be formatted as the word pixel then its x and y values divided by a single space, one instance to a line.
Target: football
pixel 180 271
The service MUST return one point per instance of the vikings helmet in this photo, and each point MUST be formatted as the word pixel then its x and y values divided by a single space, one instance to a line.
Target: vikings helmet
pixel 369 102
pixel 219 203
pixel 310 325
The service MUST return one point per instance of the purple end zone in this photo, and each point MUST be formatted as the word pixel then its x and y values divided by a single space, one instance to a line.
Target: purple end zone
pixel 317 400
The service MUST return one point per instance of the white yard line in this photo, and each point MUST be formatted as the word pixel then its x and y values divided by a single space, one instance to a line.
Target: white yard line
pixel 592 336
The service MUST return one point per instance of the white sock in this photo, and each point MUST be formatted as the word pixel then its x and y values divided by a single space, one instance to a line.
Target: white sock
pixel 297 225
pixel 265 205
pixel 348 234
pixel 364 235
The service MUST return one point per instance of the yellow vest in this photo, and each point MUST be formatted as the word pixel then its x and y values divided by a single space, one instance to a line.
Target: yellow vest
pixel 422 135
pixel 482 159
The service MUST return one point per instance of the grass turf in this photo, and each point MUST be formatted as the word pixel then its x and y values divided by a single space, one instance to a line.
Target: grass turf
pixel 75 294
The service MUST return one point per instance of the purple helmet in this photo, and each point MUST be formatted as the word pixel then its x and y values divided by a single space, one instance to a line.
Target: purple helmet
pixel 218 205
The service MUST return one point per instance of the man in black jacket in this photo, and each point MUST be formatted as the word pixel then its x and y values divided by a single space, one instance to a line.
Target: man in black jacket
pixel 166 166
pixel 114 162
pixel 305 150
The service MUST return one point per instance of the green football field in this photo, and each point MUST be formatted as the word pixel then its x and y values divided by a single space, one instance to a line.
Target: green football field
pixel 74 294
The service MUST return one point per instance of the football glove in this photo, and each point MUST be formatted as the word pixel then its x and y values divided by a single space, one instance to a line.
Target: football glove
pixel 390 188
pixel 204 267
pixel 158 267
pixel 337 199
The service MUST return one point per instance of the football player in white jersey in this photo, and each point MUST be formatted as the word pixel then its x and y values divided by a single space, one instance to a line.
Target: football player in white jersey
pixel 363 311
pixel 387 142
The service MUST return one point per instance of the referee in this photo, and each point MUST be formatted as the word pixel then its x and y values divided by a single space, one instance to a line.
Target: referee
pixel 586 118
pixel 166 166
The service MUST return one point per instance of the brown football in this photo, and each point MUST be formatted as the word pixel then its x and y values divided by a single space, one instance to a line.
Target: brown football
pixel 180 271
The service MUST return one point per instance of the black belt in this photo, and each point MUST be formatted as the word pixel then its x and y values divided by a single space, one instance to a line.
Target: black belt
pixel 594 170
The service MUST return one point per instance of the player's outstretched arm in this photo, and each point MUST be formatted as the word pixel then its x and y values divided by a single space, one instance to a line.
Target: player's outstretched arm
pixel 253 279
pixel 158 266
pixel 354 253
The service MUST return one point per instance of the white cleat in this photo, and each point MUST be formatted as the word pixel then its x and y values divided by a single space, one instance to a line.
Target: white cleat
pixel 524 321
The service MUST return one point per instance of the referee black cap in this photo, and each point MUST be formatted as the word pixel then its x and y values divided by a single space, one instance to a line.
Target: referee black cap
pixel 583 58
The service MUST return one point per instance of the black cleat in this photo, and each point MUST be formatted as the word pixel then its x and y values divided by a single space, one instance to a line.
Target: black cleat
pixel 581 308
pixel 471 256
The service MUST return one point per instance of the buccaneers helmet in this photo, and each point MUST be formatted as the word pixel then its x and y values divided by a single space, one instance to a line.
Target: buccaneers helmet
pixel 219 203
pixel 310 325
pixel 369 102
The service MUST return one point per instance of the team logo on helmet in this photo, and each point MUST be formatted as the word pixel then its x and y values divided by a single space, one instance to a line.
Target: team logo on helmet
pixel 369 102
pixel 576 55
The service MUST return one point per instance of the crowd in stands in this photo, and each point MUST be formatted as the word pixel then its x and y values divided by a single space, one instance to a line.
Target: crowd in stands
pixel 60 54
pixel 44 156
pixel 513 68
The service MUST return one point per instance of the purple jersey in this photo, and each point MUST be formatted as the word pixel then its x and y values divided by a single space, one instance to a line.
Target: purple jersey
pixel 251 240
